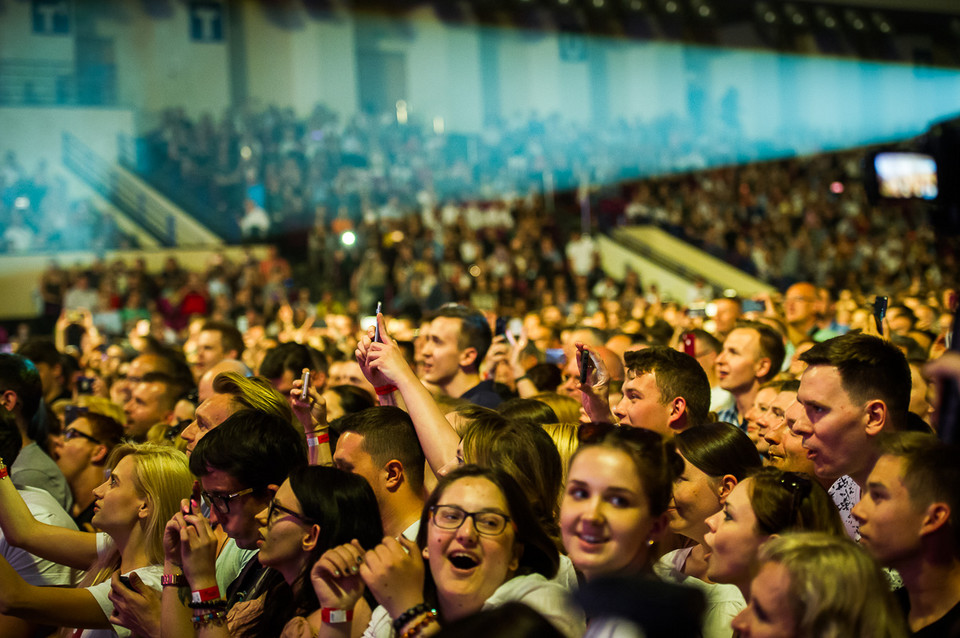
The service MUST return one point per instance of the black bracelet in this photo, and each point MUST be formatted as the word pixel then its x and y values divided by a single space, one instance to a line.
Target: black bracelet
pixel 409 615
pixel 217 603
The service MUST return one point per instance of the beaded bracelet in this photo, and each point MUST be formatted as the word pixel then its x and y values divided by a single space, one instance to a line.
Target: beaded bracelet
pixel 414 631
pixel 3 470
pixel 409 615
pixel 216 617
pixel 216 603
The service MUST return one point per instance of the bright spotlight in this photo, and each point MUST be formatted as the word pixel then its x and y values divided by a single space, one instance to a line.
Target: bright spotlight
pixel 348 238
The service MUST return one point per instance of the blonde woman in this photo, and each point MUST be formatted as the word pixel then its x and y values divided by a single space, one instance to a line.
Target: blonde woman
pixel 816 585
pixel 142 492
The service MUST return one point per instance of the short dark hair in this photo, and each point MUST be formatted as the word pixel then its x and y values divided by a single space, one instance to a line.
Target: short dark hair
pixel 546 377
pixel 352 398
pixel 770 346
pixel 388 434
pixel 40 350
pixel 10 439
pixel 105 429
pixel 474 329
pixel 174 388
pixel 869 367
pixel 540 554
pixel 711 342
pixel 677 375
pixel 20 375
pixel 930 471
pixel 255 448
pixel 718 449
pixel 293 357
pixel 230 337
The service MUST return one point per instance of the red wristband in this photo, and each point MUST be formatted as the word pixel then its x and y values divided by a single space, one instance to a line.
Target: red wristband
pixel 314 439
pixel 333 615
pixel 385 389
pixel 203 595
pixel 4 472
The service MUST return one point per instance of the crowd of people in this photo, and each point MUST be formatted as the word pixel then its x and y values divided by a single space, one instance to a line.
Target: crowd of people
pixel 38 215
pixel 608 470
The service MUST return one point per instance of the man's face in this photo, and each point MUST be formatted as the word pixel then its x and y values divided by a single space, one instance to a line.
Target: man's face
pixel 727 314
pixel 211 413
pixel 240 522
pixel 739 363
pixel 351 457
pixel 889 520
pixel 76 453
pixel 786 451
pixel 349 373
pixel 834 430
pixel 921 394
pixel 756 416
pixel 209 350
pixel 146 407
pixel 800 303
pixel 640 406
pixel 441 352
pixel 570 375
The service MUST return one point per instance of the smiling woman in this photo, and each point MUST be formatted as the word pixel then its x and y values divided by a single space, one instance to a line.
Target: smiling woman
pixel 483 547
pixel 132 507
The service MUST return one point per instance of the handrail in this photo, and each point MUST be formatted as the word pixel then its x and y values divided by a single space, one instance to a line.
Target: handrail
pixel 160 218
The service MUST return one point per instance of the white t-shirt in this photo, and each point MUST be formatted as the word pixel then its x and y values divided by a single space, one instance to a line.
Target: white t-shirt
pixel 543 596
pixel 33 569
pixel 150 575
pixel 723 601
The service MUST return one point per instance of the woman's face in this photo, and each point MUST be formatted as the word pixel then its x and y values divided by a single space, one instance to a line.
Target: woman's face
pixel 604 516
pixel 467 566
pixel 119 505
pixel 285 539
pixel 770 613
pixel 733 539
pixel 696 497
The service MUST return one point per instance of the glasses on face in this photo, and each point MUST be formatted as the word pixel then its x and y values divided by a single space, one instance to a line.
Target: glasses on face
pixel 73 433
pixel 451 517
pixel 173 432
pixel 799 487
pixel 275 508
pixel 221 502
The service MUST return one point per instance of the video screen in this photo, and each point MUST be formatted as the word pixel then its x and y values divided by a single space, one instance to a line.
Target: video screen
pixel 906 175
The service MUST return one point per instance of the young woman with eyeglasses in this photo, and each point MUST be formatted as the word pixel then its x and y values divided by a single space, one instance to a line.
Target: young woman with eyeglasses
pixel 483 547
pixel 316 508
pixel 144 489
pixel 716 456
pixel 767 503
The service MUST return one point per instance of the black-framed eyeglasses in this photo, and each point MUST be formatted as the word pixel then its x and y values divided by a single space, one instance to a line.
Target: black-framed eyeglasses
pixel 173 432
pixel 221 502
pixel 275 507
pixel 73 433
pixel 799 486
pixel 486 523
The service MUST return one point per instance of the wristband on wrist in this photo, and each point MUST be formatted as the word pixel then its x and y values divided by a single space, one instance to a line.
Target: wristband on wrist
pixel 385 389
pixel 333 615
pixel 313 439
pixel 415 630
pixel 173 580
pixel 204 595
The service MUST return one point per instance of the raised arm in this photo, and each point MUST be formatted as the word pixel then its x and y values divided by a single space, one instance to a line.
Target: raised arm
pixel 58 544
pixel 69 607
pixel 384 365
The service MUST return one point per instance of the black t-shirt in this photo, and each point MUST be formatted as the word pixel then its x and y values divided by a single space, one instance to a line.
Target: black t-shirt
pixel 947 626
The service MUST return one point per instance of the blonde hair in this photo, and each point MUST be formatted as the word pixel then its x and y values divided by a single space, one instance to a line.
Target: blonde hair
pixel 566 408
pixel 255 393
pixel 564 436
pixel 836 589
pixel 162 476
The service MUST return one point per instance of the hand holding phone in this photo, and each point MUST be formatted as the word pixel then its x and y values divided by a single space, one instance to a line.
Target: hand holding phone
pixel 584 365
pixel 376 325
pixel 304 389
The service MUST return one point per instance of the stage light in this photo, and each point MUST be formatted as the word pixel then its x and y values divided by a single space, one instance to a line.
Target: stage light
pixel 348 238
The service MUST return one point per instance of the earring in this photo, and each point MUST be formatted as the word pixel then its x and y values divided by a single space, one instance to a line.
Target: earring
pixel 650 542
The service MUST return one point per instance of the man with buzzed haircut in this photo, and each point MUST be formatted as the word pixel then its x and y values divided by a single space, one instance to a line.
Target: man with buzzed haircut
pixel 802 305
pixel 381 445
pixel 217 341
pixel 752 355
pixel 665 391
